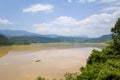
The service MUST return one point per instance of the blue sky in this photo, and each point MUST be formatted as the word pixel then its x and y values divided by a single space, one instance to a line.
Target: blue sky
pixel 91 18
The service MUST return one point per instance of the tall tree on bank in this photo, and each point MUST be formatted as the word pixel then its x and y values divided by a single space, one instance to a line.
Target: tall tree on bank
pixel 116 36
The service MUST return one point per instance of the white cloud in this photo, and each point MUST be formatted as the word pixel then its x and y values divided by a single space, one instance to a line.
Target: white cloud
pixel 81 1
pixel 84 1
pixel 39 7
pixel 113 5
pixel 94 25
pixel 69 1
pixel 5 21
pixel 58 26
pixel 106 1
pixel 98 1
pixel 64 21
pixel 112 8
pixel 117 3
pixel 91 0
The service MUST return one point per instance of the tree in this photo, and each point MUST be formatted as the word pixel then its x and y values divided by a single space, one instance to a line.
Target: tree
pixel 116 36
pixel 4 40
pixel 40 78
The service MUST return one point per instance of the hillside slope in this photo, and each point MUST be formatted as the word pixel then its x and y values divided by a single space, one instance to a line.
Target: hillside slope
pixel 28 37
pixel 4 40
pixel 17 33
pixel 103 38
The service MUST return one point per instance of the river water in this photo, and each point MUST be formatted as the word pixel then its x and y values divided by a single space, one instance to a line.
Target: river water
pixel 50 60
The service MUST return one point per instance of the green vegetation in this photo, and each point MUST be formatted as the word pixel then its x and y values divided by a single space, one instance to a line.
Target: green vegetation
pixel 116 36
pixel 32 39
pixel 23 37
pixel 40 78
pixel 105 64
pixel 4 41
pixel 39 39
pixel 103 38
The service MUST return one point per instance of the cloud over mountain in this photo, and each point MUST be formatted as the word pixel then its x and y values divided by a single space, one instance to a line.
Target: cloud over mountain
pixel 94 25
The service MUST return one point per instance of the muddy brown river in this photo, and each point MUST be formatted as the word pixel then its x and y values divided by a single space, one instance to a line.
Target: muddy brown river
pixel 50 60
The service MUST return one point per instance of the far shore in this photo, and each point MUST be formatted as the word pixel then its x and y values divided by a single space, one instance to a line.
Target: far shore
pixel 65 43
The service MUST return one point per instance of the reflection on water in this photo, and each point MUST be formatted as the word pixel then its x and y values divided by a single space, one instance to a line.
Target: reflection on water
pixel 19 62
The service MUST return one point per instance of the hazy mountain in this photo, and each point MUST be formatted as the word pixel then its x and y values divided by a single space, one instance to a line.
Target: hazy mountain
pixel 28 37
pixel 103 38
pixel 21 33
pixel 17 33
pixel 35 39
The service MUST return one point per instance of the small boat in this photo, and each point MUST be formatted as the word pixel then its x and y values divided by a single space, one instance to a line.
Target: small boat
pixel 38 60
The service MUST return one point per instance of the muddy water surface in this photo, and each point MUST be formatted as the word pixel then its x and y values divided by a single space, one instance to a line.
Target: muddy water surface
pixel 53 60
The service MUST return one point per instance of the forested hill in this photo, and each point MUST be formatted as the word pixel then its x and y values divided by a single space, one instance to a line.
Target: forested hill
pixel 39 39
pixel 24 37
pixel 103 38
pixel 4 40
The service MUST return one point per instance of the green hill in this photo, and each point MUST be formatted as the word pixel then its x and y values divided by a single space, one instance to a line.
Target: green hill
pixel 24 37
pixel 40 39
pixel 103 38
pixel 4 40
pixel 32 39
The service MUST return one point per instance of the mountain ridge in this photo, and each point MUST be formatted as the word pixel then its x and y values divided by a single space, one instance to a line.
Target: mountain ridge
pixel 28 37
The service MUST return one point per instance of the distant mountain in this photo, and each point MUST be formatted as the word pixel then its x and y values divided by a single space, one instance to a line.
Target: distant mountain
pixel 34 39
pixel 24 36
pixel 17 33
pixel 51 36
pixel 71 39
pixel 21 33
pixel 19 36
pixel 103 38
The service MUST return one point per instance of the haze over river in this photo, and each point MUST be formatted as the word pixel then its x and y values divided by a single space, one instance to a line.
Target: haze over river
pixel 50 60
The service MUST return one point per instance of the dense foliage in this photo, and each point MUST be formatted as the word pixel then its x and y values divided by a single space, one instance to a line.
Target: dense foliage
pixel 4 40
pixel 40 78
pixel 42 39
pixel 105 64
pixel 32 39
pixel 116 36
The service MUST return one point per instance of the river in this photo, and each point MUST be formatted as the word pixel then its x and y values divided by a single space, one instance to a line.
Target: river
pixel 50 60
